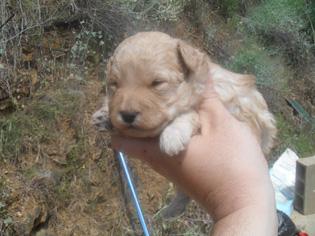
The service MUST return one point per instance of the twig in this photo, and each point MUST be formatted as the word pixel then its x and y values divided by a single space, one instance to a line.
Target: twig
pixel 19 33
pixel 150 7
pixel 310 20
pixel 7 21
pixel 23 30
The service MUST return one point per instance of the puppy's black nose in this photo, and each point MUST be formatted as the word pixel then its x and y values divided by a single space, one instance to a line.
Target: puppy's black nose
pixel 128 117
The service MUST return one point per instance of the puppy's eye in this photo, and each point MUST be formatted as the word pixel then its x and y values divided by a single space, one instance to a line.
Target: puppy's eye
pixel 156 83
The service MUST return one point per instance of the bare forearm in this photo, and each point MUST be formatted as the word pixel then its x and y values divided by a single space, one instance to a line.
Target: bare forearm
pixel 252 220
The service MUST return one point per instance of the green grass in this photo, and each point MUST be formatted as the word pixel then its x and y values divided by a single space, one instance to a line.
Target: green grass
pixel 39 123
pixel 23 130
pixel 53 105
pixel 301 140
pixel 74 167
pixel 4 216
pixel 31 172
pixel 63 192
pixel 74 156
pixel 19 132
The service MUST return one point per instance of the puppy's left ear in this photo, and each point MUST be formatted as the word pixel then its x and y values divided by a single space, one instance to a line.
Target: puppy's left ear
pixel 193 61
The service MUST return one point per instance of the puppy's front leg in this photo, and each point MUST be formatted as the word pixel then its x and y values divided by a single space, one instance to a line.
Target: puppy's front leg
pixel 177 206
pixel 100 119
pixel 175 137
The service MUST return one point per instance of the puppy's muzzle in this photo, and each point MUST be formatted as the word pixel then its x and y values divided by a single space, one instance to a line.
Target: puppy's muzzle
pixel 128 117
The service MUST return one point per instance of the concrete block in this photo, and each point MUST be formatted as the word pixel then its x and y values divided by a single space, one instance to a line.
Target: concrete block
pixel 304 200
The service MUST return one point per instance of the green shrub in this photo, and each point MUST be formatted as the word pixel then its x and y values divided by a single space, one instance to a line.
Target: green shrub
pixel 254 59
pixel 282 23
pixel 230 8
pixel 283 15
pixel 159 11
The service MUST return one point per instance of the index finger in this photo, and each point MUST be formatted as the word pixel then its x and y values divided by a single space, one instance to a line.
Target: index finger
pixel 135 147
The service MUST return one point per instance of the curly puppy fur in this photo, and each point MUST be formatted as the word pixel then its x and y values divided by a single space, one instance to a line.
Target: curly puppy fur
pixel 155 85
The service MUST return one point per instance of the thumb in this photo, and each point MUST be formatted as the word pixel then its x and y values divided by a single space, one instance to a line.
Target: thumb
pixel 210 92
pixel 211 109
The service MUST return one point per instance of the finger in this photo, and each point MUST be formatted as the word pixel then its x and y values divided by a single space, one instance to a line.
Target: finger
pixel 134 147
pixel 148 151
pixel 211 109
pixel 210 92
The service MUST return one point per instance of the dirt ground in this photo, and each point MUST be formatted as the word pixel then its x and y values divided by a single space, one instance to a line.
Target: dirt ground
pixel 53 192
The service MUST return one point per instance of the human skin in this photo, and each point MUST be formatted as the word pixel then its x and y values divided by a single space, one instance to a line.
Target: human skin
pixel 223 168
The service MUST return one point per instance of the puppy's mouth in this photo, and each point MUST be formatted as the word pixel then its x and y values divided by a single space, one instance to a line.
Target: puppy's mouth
pixel 138 128
pixel 143 125
pixel 133 127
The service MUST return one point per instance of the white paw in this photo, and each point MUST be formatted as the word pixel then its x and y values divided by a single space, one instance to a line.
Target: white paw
pixel 101 121
pixel 173 140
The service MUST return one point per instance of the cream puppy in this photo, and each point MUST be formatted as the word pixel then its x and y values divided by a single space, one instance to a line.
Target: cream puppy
pixel 155 83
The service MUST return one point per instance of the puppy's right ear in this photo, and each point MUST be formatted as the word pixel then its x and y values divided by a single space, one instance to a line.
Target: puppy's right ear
pixel 193 61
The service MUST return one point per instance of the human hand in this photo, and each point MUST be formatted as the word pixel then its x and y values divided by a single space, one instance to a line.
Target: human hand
pixel 223 168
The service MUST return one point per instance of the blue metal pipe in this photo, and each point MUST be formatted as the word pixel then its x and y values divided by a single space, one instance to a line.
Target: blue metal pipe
pixel 133 191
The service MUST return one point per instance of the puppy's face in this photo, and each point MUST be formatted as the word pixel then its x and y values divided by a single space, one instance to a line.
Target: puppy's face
pixel 151 79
